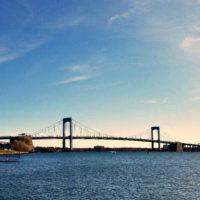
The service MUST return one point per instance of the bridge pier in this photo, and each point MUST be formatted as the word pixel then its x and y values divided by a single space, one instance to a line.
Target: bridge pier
pixel 155 128
pixel 68 120
pixel 176 146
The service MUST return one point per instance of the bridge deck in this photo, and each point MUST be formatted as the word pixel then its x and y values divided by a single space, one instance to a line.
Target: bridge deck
pixel 100 138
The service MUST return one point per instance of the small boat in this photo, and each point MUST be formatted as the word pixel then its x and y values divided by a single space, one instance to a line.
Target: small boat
pixel 9 157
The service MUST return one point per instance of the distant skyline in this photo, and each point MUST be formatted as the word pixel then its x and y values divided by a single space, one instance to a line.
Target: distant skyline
pixel 119 67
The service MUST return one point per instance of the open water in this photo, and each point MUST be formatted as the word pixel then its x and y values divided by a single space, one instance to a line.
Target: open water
pixel 101 175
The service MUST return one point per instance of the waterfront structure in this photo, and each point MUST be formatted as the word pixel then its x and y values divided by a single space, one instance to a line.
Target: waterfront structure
pixel 5 145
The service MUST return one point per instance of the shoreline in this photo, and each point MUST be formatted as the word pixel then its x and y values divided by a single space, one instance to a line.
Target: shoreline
pixel 11 152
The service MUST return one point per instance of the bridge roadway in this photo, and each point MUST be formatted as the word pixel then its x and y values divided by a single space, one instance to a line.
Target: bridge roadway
pixel 101 138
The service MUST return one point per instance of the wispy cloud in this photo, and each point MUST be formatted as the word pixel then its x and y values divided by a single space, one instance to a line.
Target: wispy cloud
pixel 8 57
pixel 78 68
pixel 71 80
pixel 154 101
pixel 31 31
pixel 196 28
pixel 196 99
pixel 78 72
pixel 191 44
pixel 9 53
pixel 151 101
pixel 123 15
pixel 135 6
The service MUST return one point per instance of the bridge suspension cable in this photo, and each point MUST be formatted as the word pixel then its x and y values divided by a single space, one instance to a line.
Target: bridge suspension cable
pixel 166 137
pixel 80 130
pixel 52 130
pixel 144 135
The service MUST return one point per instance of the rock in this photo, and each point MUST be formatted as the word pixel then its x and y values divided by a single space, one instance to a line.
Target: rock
pixel 22 143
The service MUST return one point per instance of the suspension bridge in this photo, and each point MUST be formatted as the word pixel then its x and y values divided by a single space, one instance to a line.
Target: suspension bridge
pixel 70 129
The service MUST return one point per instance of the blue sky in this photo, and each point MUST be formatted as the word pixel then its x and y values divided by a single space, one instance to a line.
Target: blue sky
pixel 117 66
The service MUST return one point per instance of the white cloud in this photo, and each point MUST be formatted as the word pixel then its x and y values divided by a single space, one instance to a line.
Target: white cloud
pixel 191 44
pixel 136 6
pixel 151 101
pixel 8 57
pixel 154 101
pixel 79 68
pixel 76 68
pixel 120 16
pixel 196 99
pixel 9 53
pixel 196 28
pixel 71 80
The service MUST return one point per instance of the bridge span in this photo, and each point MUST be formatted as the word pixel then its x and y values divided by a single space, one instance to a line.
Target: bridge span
pixel 70 129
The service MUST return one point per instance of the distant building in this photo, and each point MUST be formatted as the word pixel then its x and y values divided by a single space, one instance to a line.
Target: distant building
pixel 166 147
pixel 98 148
pixel 5 145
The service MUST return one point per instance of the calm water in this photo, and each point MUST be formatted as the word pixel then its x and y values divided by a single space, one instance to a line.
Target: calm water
pixel 102 175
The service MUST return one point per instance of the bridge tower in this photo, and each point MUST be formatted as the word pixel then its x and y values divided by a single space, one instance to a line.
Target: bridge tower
pixel 155 128
pixel 68 120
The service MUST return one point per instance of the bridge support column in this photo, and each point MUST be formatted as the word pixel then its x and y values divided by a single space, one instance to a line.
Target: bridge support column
pixel 68 120
pixel 63 142
pixel 155 128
